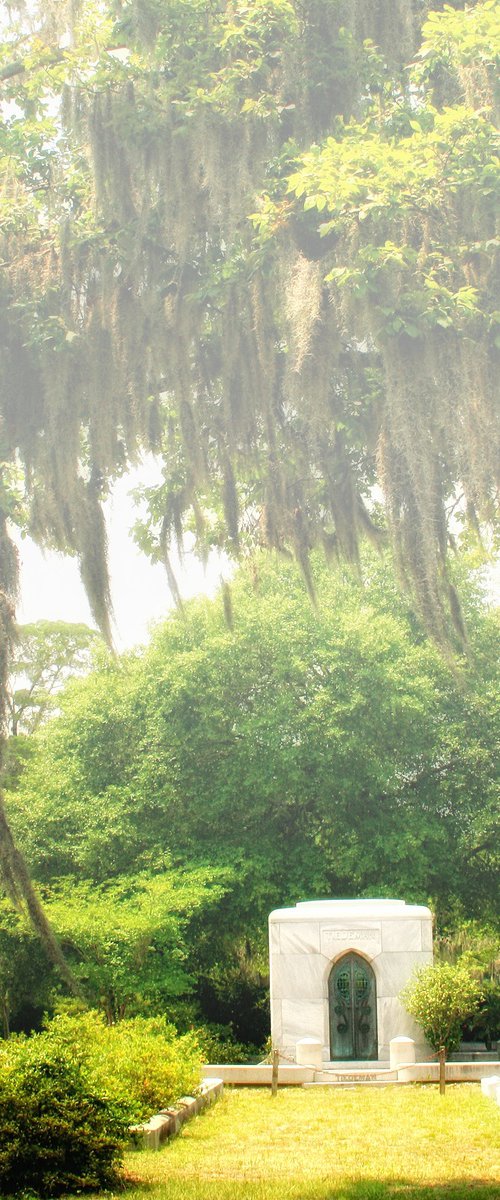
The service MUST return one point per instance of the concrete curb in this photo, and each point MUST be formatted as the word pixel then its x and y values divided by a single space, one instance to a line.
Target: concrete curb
pixel 151 1134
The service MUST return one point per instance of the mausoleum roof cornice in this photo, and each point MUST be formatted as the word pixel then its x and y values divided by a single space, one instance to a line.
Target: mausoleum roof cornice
pixel 375 909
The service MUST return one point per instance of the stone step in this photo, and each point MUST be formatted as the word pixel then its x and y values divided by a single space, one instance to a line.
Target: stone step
pixel 324 1080
pixel 350 1066
pixel 373 1076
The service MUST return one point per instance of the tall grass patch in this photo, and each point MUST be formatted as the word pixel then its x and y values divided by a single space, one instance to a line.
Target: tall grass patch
pixel 317 1144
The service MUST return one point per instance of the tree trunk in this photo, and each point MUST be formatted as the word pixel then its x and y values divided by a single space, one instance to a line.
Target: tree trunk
pixel 442 1070
pixel 274 1073
pixel 13 869
pixel 20 890
pixel 5 1016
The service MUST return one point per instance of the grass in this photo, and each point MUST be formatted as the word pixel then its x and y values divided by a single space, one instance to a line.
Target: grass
pixel 320 1144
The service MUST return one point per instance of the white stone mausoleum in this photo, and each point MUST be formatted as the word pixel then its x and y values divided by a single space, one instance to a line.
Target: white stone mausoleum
pixel 337 968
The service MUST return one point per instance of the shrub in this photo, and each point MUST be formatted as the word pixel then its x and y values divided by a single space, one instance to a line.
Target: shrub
pixel 484 1025
pixel 440 997
pixel 153 1064
pixel 142 1064
pixel 218 1045
pixel 68 1095
pixel 57 1133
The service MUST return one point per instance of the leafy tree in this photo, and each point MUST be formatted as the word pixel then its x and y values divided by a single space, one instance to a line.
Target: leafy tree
pixel 440 998
pixel 343 737
pixel 46 655
pixel 126 943
pixel 259 240
pixel 129 939
pixel 306 751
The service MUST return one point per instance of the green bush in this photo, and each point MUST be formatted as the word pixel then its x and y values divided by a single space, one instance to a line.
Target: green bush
pixel 484 1026
pixel 68 1095
pixel 151 1063
pixel 57 1133
pixel 440 997
pixel 142 1063
pixel 218 1045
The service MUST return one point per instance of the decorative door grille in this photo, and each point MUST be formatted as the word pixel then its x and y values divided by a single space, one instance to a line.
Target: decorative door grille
pixel 352 997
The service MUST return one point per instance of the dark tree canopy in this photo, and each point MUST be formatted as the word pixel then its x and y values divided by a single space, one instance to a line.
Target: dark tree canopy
pixel 258 239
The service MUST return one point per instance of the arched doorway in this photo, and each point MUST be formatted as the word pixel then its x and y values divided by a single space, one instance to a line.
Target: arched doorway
pixel 352 1000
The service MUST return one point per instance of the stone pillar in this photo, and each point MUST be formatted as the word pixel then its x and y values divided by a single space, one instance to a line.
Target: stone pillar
pixel 489 1085
pixel 309 1053
pixel 401 1052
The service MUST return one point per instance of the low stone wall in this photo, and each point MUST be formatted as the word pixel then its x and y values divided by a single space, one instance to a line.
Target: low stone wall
pixel 456 1072
pixel 260 1075
pixel 151 1134
pixel 243 1075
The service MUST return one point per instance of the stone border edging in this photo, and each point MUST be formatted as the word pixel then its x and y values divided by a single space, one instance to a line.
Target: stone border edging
pixel 151 1134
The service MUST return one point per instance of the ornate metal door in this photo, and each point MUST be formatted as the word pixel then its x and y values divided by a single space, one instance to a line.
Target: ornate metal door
pixel 352 996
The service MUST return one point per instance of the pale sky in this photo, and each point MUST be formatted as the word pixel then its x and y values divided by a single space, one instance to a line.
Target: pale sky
pixel 51 587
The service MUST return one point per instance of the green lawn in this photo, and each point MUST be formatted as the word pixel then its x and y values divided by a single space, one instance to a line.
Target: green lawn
pixel 317 1144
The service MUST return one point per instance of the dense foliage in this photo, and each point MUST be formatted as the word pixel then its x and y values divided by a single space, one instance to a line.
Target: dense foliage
pixel 302 752
pixel 128 941
pixel 140 1065
pixel 484 1024
pixel 57 1134
pixel 69 1094
pixel 25 982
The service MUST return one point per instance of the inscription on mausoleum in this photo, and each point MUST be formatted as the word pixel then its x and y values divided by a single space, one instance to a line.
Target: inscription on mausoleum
pixel 336 938
pixel 345 935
